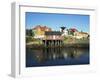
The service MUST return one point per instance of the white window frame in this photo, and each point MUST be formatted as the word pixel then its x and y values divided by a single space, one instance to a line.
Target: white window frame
pixel 18 40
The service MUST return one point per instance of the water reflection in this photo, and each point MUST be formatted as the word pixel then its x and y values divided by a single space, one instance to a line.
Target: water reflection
pixel 56 56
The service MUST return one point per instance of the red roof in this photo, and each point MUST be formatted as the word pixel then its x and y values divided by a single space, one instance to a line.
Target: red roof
pixel 73 29
pixel 43 28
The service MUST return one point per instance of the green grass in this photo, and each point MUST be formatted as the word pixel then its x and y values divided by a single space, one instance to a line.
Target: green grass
pixel 70 40
pixel 31 40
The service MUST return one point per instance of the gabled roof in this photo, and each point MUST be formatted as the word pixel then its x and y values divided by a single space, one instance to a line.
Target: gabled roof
pixel 43 28
pixel 73 29
pixel 53 33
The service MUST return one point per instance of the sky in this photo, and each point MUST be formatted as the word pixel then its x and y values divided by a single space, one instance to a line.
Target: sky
pixel 55 21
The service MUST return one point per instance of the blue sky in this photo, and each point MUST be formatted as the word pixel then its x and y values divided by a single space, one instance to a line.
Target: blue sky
pixel 55 21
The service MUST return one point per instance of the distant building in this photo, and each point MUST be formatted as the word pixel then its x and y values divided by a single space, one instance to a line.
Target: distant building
pixel 71 31
pixel 80 35
pixel 39 31
pixel 53 35
pixel 67 32
pixel 62 29
pixel 53 38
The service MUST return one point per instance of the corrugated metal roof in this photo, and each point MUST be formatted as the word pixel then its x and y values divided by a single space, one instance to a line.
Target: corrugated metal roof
pixel 53 33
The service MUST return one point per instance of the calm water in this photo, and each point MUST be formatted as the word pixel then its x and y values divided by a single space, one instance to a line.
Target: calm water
pixel 56 56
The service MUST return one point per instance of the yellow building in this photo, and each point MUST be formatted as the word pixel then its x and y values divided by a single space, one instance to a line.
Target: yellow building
pixel 80 35
pixel 39 31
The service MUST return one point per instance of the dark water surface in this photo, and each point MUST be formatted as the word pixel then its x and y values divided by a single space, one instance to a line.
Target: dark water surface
pixel 56 56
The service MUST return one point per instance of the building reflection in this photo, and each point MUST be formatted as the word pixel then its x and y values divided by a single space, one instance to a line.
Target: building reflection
pixel 52 54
